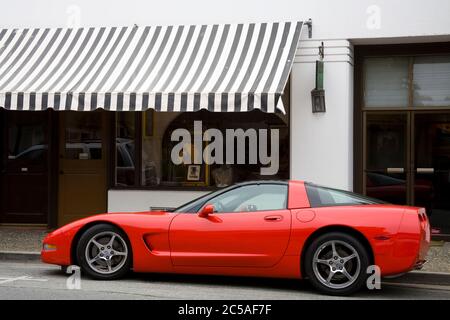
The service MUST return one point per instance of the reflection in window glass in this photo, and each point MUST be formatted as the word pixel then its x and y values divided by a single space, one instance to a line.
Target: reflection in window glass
pixel 386 82
pixel 252 198
pixel 321 196
pixel 386 141
pixel 125 149
pixel 83 135
pixel 27 142
pixel 431 81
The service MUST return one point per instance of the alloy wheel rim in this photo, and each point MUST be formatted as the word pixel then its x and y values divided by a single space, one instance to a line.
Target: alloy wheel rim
pixel 336 264
pixel 106 252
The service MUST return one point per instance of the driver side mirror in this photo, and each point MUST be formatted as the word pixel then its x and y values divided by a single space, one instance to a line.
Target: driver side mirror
pixel 206 211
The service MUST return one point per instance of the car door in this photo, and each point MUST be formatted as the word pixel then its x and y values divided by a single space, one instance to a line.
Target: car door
pixel 249 228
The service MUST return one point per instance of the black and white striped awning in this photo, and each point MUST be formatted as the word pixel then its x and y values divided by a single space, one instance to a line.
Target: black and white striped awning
pixel 173 68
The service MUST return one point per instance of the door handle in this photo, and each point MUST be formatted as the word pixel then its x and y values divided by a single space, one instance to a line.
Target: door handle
pixel 425 170
pixel 395 170
pixel 273 218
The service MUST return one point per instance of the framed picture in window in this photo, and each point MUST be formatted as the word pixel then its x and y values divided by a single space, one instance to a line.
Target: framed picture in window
pixel 148 123
pixel 193 173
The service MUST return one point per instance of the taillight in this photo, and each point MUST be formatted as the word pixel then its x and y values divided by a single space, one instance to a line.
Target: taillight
pixel 422 215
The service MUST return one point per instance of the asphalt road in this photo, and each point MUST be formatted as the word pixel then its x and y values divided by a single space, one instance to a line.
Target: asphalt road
pixel 27 280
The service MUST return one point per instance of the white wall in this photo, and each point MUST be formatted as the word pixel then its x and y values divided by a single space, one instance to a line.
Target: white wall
pixel 343 19
pixel 141 200
pixel 322 143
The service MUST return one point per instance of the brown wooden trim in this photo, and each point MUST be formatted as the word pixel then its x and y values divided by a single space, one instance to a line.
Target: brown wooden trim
pixel 402 49
pixel 358 131
pixel 138 149
pixel 2 158
pixel 111 158
pixel 53 149
pixel 409 157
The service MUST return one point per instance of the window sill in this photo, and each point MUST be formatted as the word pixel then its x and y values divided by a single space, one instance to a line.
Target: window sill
pixel 163 188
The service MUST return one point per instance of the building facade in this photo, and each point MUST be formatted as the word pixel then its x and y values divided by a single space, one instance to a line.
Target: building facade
pixel 385 131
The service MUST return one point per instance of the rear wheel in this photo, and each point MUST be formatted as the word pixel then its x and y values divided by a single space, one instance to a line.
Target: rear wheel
pixel 336 263
pixel 104 252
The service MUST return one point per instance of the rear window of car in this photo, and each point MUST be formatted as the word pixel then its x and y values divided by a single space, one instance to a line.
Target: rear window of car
pixel 325 197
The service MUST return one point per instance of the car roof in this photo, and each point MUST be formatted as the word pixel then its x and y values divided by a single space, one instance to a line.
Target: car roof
pixel 273 181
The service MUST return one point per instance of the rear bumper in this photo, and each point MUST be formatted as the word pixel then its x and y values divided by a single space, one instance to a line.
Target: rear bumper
pixel 409 247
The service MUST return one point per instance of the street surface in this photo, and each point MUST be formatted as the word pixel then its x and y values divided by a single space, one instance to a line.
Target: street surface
pixel 32 280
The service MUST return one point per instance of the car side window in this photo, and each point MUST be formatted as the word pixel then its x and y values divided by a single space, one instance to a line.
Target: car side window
pixel 258 197
pixel 321 197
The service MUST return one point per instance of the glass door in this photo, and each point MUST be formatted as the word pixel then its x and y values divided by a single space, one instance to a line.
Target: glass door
pixel 386 157
pixel 431 172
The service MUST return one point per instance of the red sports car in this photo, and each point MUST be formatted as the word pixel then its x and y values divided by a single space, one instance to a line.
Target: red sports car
pixel 280 229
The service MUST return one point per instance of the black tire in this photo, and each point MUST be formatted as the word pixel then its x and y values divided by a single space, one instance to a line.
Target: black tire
pixel 319 246
pixel 81 252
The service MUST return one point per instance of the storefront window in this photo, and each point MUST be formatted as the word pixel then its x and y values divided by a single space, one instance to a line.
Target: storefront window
pixel 387 79
pixel 431 81
pixel 386 82
pixel 247 146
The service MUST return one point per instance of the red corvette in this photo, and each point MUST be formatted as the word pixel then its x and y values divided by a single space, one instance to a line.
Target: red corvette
pixel 267 228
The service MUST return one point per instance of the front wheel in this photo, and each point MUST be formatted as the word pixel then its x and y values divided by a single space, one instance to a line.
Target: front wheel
pixel 104 252
pixel 336 263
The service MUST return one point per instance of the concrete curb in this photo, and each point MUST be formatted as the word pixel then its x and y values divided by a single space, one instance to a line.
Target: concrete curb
pixel 20 256
pixel 422 277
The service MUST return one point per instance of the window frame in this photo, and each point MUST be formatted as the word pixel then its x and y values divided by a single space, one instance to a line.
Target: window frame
pixel 214 194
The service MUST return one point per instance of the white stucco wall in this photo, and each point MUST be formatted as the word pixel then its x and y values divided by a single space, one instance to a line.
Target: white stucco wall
pixel 344 19
pixel 322 143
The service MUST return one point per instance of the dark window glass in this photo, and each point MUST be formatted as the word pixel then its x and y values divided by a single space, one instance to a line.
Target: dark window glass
pixel 27 142
pixel 125 149
pixel 321 197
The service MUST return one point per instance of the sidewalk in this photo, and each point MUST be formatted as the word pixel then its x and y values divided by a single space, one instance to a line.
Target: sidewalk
pixel 21 239
pixel 25 244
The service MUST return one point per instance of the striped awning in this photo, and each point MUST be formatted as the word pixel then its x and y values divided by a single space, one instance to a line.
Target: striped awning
pixel 172 68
